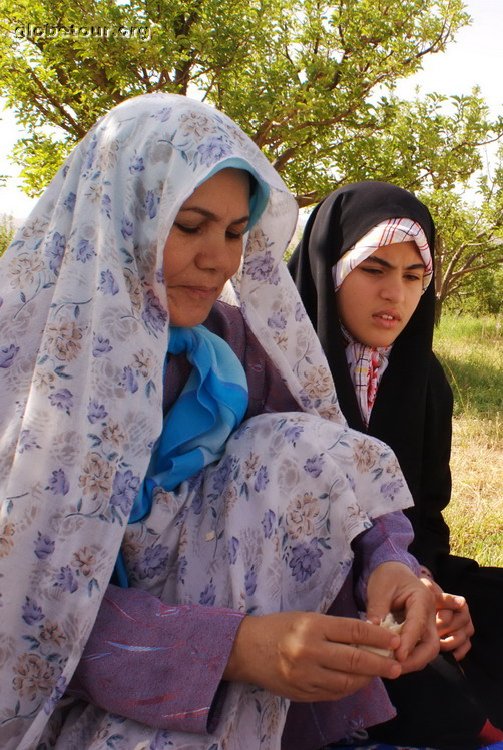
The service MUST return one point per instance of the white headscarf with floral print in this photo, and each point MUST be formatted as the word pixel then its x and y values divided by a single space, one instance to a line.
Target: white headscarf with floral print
pixel 83 335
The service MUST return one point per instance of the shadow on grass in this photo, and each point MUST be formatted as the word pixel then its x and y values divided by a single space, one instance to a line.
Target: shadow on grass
pixel 477 386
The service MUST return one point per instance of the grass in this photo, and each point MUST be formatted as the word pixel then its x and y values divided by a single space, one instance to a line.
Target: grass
pixel 471 351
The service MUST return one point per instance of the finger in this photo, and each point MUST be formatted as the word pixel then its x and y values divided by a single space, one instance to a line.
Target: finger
pixel 445 616
pixel 357 661
pixel 453 602
pixel 418 628
pixel 454 641
pixel 357 632
pixel 463 621
pixel 458 647
pixel 411 635
pixel 452 631
pixel 376 613
pixel 421 655
pixel 458 622
pixel 460 652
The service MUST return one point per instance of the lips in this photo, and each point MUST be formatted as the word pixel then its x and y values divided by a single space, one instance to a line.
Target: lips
pixel 387 320
pixel 388 316
pixel 201 292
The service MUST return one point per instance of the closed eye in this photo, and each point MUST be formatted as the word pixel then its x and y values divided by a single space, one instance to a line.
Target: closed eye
pixel 371 270
pixel 185 228
pixel 235 235
pixel 231 234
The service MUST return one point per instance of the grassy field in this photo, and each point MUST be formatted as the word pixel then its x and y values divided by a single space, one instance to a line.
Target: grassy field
pixel 471 350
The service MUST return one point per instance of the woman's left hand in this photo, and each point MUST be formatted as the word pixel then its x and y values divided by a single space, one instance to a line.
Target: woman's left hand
pixel 454 622
pixel 393 587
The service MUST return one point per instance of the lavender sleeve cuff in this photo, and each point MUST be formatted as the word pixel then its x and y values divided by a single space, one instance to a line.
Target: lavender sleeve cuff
pixel 387 541
pixel 158 664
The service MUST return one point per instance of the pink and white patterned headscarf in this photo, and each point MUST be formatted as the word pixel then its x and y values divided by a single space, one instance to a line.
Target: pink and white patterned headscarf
pixel 388 232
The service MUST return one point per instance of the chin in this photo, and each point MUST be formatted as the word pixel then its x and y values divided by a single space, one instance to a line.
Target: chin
pixel 189 319
pixel 379 341
pixel 386 342
pixel 188 322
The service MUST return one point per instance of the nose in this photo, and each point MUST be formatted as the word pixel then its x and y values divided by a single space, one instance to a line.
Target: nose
pixel 213 253
pixel 393 289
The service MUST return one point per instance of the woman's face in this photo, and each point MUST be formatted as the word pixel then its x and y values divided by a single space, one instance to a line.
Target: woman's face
pixel 204 246
pixel 377 299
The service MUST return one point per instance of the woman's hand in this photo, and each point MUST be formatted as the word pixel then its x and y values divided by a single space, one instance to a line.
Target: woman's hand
pixel 306 656
pixel 454 623
pixel 393 587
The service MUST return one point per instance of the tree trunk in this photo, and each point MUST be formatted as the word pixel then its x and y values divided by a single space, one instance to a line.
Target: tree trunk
pixel 438 310
pixel 438 255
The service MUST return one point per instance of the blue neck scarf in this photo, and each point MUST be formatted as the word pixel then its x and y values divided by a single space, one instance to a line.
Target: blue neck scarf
pixel 212 404
pixel 210 407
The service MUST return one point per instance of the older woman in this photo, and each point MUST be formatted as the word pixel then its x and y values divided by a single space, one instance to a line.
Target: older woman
pixel 246 494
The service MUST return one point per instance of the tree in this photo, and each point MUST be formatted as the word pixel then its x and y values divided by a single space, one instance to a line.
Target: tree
pixel 482 294
pixel 7 230
pixel 470 243
pixel 299 76
pixel 311 83
pixel 433 146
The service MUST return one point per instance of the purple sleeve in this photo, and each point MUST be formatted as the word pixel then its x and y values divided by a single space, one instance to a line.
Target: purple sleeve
pixel 161 665
pixel 387 541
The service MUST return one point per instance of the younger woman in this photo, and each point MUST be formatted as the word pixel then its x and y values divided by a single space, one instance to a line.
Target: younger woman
pixel 364 272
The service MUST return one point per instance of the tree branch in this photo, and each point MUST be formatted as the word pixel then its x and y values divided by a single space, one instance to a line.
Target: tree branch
pixel 74 129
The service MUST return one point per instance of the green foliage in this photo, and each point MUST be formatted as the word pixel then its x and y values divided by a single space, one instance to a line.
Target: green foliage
pixel 469 247
pixel 6 232
pixel 426 145
pixel 481 294
pixel 310 81
pixel 429 146
pixel 299 76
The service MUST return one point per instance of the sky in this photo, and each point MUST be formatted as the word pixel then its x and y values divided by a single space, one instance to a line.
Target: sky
pixel 474 58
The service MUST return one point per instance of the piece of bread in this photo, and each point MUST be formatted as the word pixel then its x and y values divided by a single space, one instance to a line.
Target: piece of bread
pixel 390 623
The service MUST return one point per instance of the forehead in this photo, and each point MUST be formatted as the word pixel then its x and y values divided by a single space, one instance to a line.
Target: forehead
pixel 229 185
pixel 404 253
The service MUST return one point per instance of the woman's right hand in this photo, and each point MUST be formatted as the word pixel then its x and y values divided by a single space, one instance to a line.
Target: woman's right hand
pixel 306 656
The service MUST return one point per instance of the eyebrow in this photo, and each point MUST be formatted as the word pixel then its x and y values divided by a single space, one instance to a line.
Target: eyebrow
pixel 210 215
pixel 385 264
